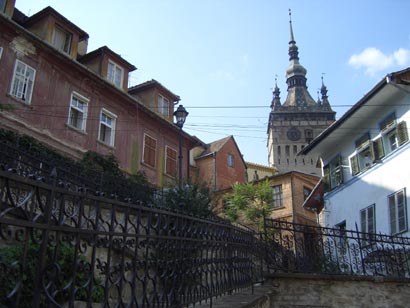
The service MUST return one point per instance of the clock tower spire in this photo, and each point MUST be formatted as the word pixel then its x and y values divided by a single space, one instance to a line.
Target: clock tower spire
pixel 299 119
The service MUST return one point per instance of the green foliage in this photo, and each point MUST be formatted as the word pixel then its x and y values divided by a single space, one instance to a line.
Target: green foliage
pixel 191 198
pixel 250 202
pixel 97 162
pixel 10 257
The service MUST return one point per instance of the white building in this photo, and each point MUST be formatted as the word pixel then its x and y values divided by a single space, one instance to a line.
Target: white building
pixel 366 161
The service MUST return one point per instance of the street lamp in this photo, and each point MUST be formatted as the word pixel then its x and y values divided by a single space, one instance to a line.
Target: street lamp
pixel 180 116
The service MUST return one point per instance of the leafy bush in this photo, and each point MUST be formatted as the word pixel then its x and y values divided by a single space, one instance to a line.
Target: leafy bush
pixel 10 266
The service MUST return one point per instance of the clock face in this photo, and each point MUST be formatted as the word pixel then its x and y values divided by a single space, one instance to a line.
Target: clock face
pixel 293 134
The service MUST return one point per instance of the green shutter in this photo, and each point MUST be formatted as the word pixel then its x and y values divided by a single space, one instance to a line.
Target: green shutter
pixel 326 178
pixel 378 149
pixel 392 213
pixel 401 212
pixel 354 163
pixel 402 134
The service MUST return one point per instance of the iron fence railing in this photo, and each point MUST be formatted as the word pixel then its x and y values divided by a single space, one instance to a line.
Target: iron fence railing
pixel 300 248
pixel 28 161
pixel 59 247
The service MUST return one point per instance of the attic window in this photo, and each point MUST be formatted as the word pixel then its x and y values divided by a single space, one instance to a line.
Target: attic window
pixel 62 39
pixel 230 160
pixel 163 105
pixel 115 74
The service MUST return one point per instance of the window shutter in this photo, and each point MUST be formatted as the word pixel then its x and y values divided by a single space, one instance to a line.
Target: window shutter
pixel 354 163
pixel 326 178
pixel 370 220
pixel 339 171
pixel 402 134
pixel 392 212
pixel 401 213
pixel 378 149
pixel 363 220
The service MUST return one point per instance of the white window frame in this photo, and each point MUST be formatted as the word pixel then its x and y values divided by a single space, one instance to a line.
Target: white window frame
pixel 75 109
pixel 163 105
pixel 63 45
pixel 115 74
pixel 231 160
pixel 111 126
pixel 22 86
pixel 333 173
pixel 277 196
pixel 368 223
pixel 398 212
pixel 171 172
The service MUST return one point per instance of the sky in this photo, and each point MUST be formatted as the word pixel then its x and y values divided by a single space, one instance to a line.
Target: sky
pixel 223 57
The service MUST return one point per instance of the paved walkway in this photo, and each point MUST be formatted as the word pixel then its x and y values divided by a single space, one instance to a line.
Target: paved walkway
pixel 241 299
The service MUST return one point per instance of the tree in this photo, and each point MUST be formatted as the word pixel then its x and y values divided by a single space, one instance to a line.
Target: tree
pixel 250 203
pixel 190 198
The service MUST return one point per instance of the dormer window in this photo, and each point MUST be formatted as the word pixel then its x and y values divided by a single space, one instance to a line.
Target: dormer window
pixel 62 39
pixel 115 74
pixel 163 105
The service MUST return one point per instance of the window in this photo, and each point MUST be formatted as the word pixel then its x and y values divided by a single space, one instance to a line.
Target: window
pixel 341 234
pixel 62 39
pixel 306 192
pixel 170 161
pixel 368 223
pixel 364 157
pixel 308 135
pixel 287 150
pixel 107 127
pixel 295 149
pixel 231 160
pixel 277 196
pixel 333 173
pixel 23 81
pixel 2 5
pixel 163 105
pixel 398 212
pixel 78 111
pixel 393 136
pixel 1 51
pixel 279 150
pixel 115 74
pixel 150 148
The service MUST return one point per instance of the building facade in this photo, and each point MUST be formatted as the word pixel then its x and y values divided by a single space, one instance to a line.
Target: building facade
pixel 76 101
pixel 294 123
pixel 365 156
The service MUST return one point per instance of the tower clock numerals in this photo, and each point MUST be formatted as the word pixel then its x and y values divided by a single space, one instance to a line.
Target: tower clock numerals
pixel 293 134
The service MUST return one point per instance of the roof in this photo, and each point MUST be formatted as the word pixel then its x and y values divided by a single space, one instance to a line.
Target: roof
pixel 315 199
pixel 216 146
pixel 50 11
pixel 260 167
pixel 151 84
pixel 290 173
pixel 104 49
pixel 389 79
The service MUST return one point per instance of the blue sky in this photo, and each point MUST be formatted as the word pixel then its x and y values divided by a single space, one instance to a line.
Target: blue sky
pixel 222 56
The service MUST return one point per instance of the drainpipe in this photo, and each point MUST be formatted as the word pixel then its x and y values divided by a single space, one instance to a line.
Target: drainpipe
pixel 293 196
pixel 215 177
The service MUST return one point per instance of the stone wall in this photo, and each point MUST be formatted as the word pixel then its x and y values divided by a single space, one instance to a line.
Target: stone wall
pixel 313 291
pixel 308 291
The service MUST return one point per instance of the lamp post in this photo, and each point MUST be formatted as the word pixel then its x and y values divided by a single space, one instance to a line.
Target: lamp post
pixel 180 116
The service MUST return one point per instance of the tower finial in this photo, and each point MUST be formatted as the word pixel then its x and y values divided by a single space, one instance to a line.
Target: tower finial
pixel 292 39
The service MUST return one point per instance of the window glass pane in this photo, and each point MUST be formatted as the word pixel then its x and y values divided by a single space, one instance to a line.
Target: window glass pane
pixel 2 5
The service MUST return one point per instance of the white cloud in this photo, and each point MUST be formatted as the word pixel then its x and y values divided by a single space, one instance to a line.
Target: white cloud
pixel 222 75
pixel 373 60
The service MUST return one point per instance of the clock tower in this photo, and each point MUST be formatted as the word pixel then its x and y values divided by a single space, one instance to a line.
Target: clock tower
pixel 295 122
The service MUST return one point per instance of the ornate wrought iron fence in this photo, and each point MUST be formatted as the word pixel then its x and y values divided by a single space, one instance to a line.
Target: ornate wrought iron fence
pixel 29 162
pixel 300 248
pixel 59 246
